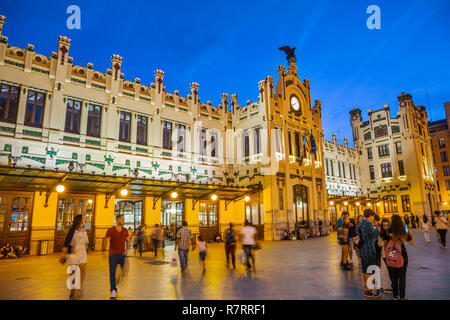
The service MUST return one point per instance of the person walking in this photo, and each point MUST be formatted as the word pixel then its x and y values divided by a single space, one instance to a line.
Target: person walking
pixel 201 244
pixel 340 221
pixel 344 239
pixel 433 224
pixel 426 226
pixel 140 238
pixel 230 246
pixel 366 247
pixel 384 237
pixel 156 238
pixel 248 237
pixel 119 244
pixel 417 221
pixel 397 257
pixel 351 243
pixel 184 236
pixel 75 249
pixel 413 221
pixel 441 227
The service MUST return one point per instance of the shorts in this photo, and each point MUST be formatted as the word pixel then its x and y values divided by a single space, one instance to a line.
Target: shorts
pixel 367 261
pixel 202 255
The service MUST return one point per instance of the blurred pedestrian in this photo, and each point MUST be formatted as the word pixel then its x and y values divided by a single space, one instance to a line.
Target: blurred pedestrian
pixel 201 244
pixel 248 237
pixel 407 220
pixel 441 227
pixel 340 221
pixel 230 245
pixel 385 236
pixel 75 249
pixel 426 226
pixel 140 239
pixel 344 240
pixel 156 238
pixel 184 236
pixel 119 244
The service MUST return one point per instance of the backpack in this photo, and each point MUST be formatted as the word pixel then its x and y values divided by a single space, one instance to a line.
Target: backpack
pixel 425 218
pixel 393 254
pixel 230 236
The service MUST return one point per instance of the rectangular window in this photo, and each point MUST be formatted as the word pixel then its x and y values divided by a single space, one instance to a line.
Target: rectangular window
pixel 372 172
pixel 444 156
pixel 125 126
pixel 73 115
pixel 9 96
pixel 437 183
pixel 214 149
pixel 369 153
pixel 94 121
pixel 280 198
pixel 446 171
pixel 383 151
pixel 202 140
pixel 398 147
pixel 326 167
pixel 297 144
pixel 257 140
pixel 343 169
pixel 277 140
pixel 290 143
pixel 441 143
pixel 386 170
pixel 141 135
pixel 339 168
pixel 35 109
pixel 406 204
pixel 447 182
pixel 246 146
pixel 354 172
pixel 181 132
pixel 332 167
pixel 390 204
pixel 167 135
pixel 401 168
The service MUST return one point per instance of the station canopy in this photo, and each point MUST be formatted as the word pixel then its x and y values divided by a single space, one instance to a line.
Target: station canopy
pixel 44 180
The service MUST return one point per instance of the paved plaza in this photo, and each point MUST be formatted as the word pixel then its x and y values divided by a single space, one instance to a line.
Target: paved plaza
pixel 288 270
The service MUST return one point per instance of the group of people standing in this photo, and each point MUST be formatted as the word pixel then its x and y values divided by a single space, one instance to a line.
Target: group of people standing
pixel 375 240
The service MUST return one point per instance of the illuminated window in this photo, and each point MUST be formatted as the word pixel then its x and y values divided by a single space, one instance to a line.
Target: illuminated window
pixel 35 109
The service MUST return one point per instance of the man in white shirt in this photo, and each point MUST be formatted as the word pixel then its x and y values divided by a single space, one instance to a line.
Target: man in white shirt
pixel 248 238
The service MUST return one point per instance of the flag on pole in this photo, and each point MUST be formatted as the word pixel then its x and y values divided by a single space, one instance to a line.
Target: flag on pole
pixel 307 143
pixel 313 144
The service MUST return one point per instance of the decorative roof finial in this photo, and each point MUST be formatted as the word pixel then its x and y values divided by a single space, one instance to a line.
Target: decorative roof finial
pixel 290 52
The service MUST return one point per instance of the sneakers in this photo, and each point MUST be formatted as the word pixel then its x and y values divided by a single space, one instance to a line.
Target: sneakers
pixel 113 295
pixel 371 294
pixel 405 298
pixel 389 290
pixel 394 298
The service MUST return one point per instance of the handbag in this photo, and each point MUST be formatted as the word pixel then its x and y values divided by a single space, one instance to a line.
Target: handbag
pixel 241 257
pixel 174 261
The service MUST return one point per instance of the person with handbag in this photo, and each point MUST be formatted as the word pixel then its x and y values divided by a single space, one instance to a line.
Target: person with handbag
pixel 75 249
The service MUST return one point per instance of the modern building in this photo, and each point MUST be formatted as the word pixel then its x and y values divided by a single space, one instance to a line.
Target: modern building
pixel 343 181
pixel 440 147
pixel 74 140
pixel 395 158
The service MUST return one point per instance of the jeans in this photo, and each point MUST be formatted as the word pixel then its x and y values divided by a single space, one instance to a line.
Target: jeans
pixel 230 249
pixel 398 278
pixel 139 243
pixel 183 255
pixel 155 246
pixel 442 236
pixel 114 260
pixel 249 255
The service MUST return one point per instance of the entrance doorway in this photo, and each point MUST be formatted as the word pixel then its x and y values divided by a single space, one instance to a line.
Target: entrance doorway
pixel 301 204
pixel 254 213
pixel 208 220
pixel 172 216
pixel 333 216
pixel 15 219
pixel 68 207
pixel 132 211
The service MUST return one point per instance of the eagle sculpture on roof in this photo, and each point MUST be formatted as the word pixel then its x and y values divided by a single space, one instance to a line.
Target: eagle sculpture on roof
pixel 290 52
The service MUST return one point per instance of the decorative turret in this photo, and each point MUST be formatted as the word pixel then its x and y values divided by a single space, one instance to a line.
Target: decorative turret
pixel 261 90
pixel 194 92
pixel 269 81
pixel 334 138
pixel 346 142
pixel 116 63
pixel 63 49
pixel 2 22
pixel 234 102
pixel 355 121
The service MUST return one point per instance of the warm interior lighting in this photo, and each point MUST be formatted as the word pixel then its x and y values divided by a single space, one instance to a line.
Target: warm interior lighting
pixel 378 204
pixel 60 188
pixel 90 201
pixel 445 203
pixel 124 192
pixel 345 203
pixel 214 197
pixel 331 203
pixel 174 195
pixel 247 198
pixel 357 203
pixel 369 204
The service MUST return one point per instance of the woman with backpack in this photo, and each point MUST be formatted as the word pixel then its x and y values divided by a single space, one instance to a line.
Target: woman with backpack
pixel 75 248
pixel 441 227
pixel 230 245
pixel 426 226
pixel 397 257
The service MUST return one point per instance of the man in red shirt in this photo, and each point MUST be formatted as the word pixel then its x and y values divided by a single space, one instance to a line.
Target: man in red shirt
pixel 117 236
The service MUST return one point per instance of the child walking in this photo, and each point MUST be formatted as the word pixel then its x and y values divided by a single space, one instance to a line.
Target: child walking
pixel 201 244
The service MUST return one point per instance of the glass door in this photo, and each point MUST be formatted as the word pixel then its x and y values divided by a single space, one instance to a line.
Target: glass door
pixel 208 220
pixel 68 207
pixel 131 211
pixel 172 216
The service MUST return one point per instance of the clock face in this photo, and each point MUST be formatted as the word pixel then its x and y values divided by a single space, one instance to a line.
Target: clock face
pixel 295 104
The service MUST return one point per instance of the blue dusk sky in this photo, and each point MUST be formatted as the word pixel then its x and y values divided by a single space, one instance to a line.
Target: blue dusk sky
pixel 229 46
